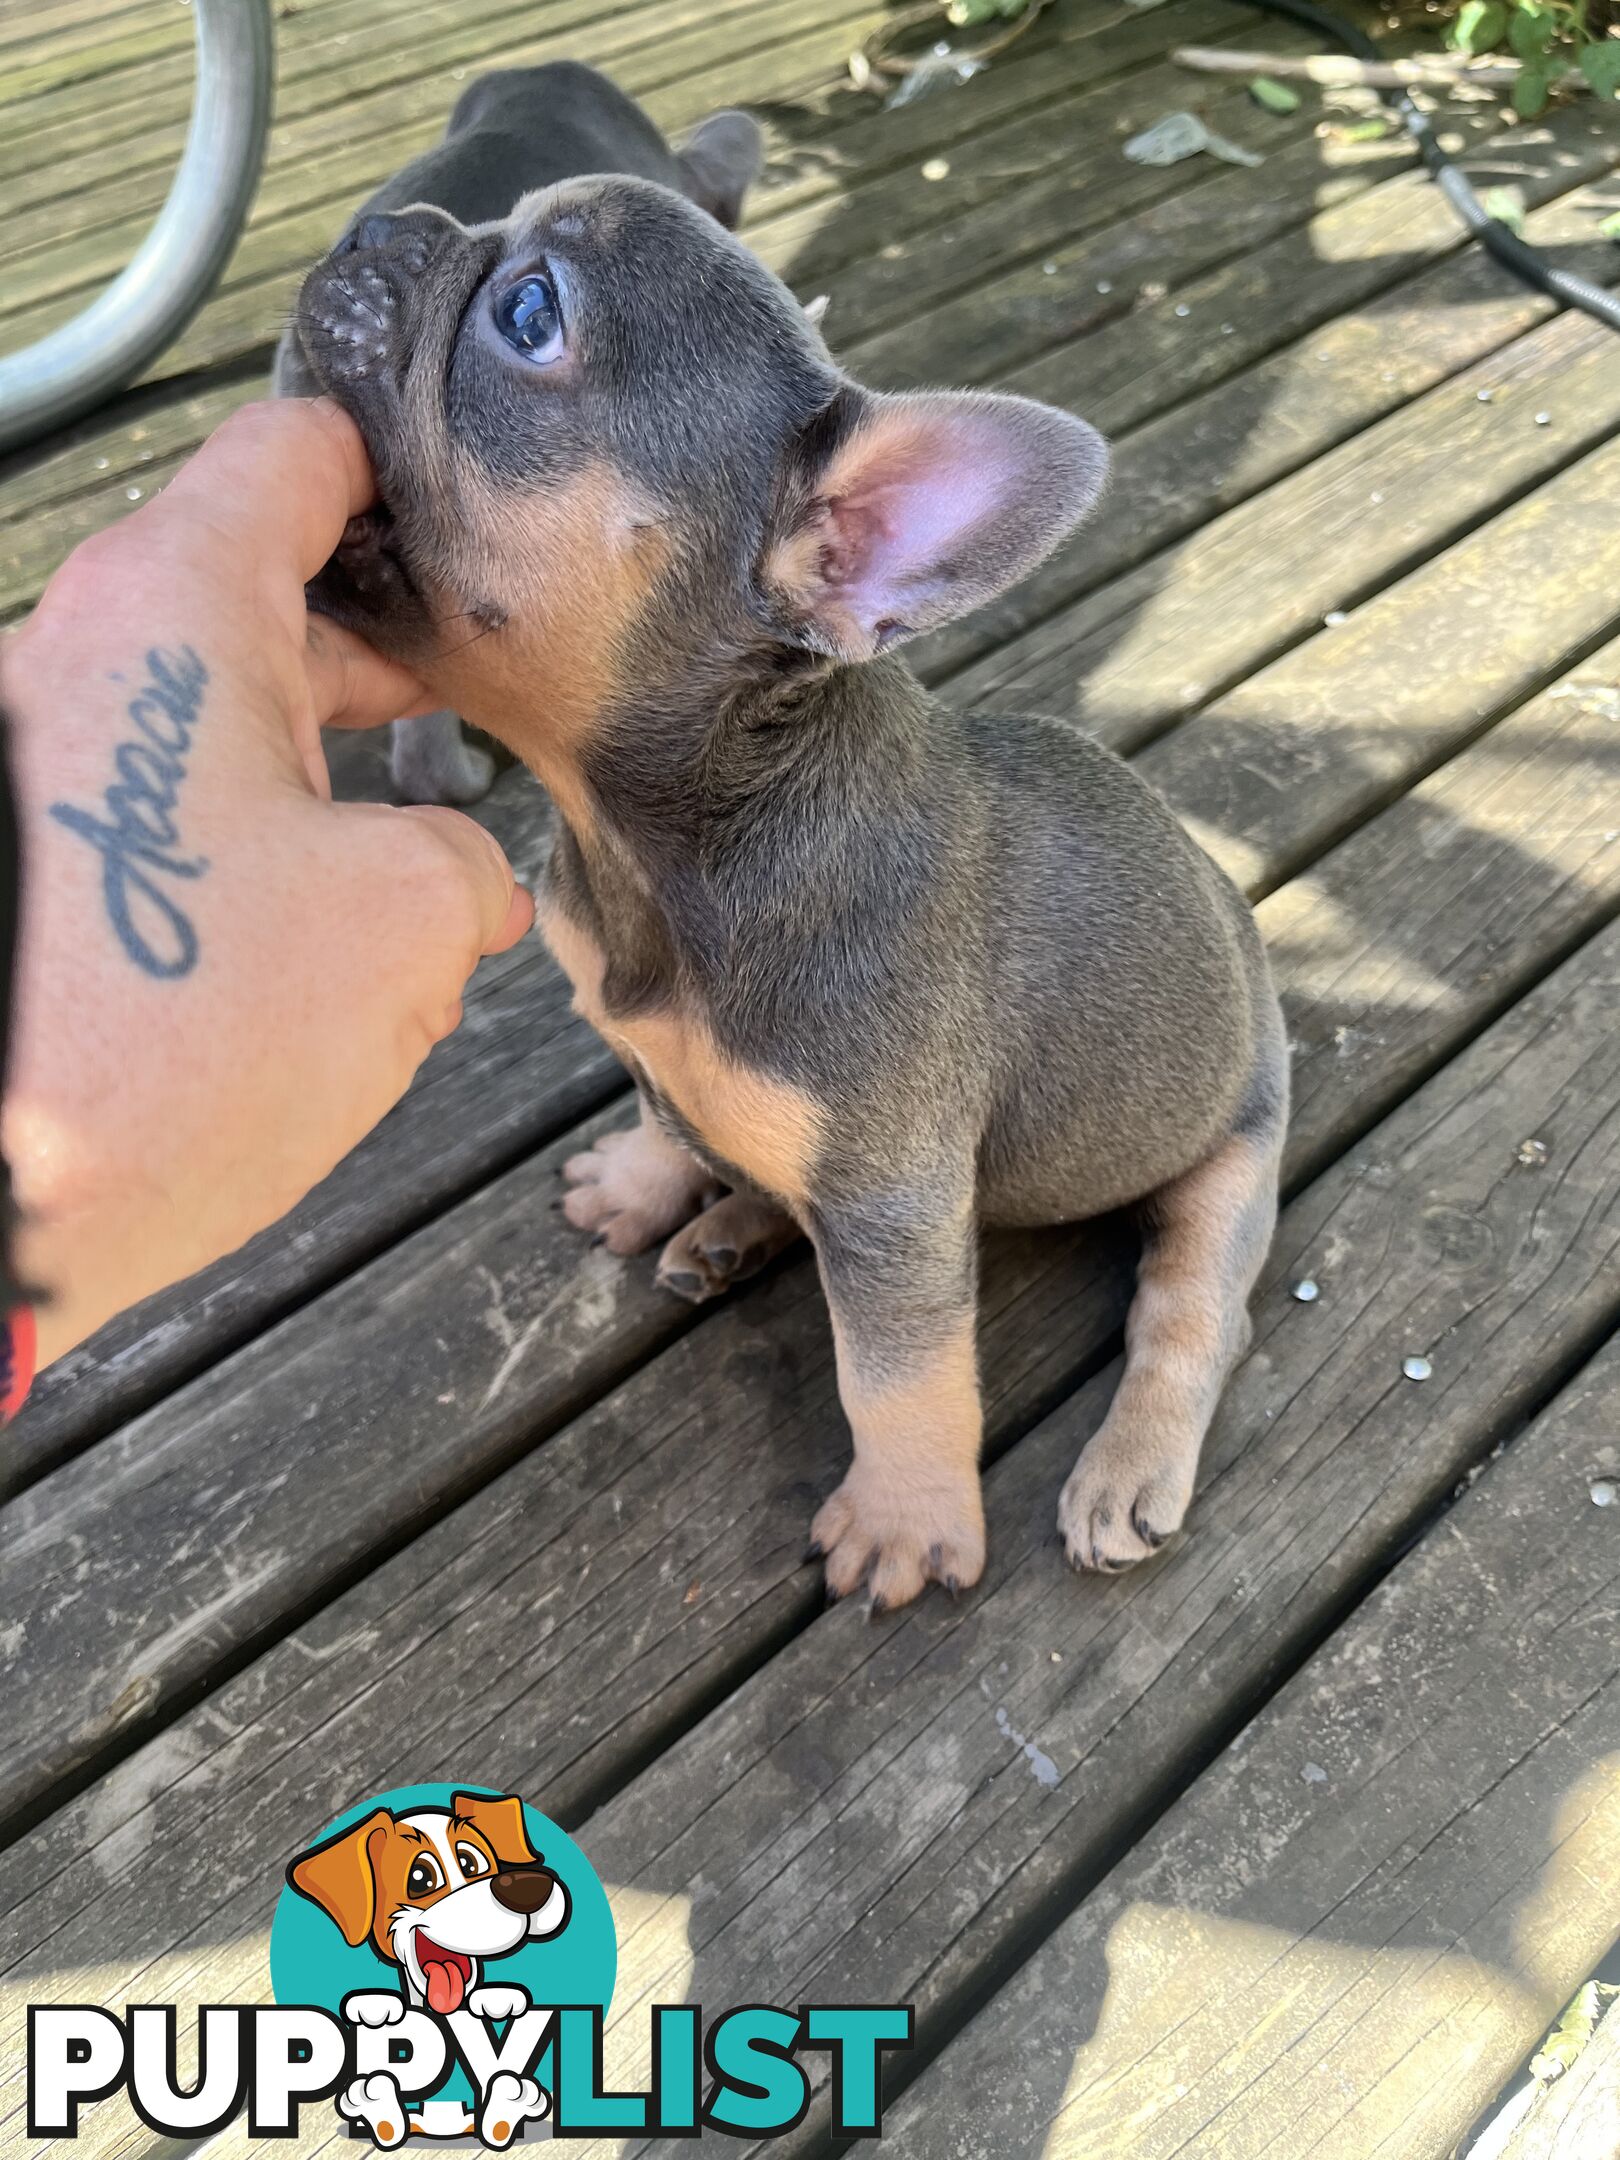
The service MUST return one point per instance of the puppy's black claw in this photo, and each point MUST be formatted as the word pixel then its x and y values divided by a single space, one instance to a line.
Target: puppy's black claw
pixel 953 1584
pixel 814 1551
pixel 1150 1537
pixel 684 1283
pixel 831 1596
pixel 876 1607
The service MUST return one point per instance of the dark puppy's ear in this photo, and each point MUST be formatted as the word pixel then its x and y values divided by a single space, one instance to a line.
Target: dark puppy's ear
pixel 922 508
pixel 721 162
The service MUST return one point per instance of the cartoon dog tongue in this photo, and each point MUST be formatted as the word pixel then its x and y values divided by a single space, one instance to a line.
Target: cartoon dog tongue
pixel 446 1973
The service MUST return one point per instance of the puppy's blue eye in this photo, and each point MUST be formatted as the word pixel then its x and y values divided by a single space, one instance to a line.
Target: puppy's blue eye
pixel 528 317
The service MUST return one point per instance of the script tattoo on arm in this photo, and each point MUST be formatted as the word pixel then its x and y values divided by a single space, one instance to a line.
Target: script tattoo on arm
pixel 135 830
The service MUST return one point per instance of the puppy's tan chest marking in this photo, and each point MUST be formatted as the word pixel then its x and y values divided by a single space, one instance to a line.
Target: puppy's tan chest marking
pixel 768 1128
pixel 570 572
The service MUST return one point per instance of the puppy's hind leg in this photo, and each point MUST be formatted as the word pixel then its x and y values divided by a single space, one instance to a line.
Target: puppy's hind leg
pixel 1188 1325
pixel 433 762
pixel 726 1244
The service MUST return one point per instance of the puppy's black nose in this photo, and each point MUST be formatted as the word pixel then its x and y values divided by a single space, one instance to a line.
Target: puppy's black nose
pixel 523 1889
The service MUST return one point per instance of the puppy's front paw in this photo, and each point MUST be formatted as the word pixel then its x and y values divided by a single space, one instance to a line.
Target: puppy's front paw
pixel 1124 1497
pixel 496 2004
pixel 633 1188
pixel 376 2101
pixel 373 2008
pixel 509 2103
pixel 725 1244
pixel 896 1537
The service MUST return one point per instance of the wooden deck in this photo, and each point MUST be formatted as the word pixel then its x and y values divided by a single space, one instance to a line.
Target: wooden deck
pixel 1291 1844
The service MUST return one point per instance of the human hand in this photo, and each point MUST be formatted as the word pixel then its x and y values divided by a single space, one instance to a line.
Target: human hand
pixel 224 978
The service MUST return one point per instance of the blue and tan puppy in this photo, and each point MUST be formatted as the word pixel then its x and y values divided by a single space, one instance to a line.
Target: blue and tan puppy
pixel 883 971
pixel 511 132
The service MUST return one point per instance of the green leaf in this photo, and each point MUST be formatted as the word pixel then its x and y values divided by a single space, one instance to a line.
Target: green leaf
pixel 1275 96
pixel 1505 204
pixel 1530 87
pixel 1481 26
pixel 1574 2029
pixel 1610 228
pixel 1600 64
pixel 1532 30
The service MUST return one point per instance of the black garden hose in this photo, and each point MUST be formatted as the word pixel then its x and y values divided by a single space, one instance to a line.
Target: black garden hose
pixel 1525 262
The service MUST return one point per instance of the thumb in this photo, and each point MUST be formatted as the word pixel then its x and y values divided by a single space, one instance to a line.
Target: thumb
pixel 505 910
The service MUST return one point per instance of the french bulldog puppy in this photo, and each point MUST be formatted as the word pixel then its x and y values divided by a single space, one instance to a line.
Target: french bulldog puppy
pixel 884 972
pixel 511 132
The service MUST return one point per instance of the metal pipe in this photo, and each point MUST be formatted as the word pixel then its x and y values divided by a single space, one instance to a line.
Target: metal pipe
pixel 108 344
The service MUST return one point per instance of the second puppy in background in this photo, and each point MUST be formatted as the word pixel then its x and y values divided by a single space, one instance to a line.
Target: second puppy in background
pixel 511 132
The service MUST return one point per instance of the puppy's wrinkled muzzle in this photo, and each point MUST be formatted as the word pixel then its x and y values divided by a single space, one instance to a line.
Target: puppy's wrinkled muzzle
pixel 353 310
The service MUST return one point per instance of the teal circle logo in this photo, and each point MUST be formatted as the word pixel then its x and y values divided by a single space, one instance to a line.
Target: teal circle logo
pixel 438 1893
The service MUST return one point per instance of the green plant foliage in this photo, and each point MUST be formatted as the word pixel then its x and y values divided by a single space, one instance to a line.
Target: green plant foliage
pixel 1481 26
pixel 1548 38
pixel 1277 97
pixel 1574 2029
pixel 965 13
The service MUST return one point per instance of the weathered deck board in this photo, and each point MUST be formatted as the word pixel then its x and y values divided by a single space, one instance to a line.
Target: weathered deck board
pixel 998 322
pixel 606 1531
pixel 1344 722
pixel 1244 565
pixel 1248 425
pixel 1353 1927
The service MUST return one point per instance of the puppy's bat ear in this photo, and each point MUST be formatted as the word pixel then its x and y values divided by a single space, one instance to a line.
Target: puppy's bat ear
pixel 340 1876
pixel 499 1822
pixel 721 161
pixel 905 512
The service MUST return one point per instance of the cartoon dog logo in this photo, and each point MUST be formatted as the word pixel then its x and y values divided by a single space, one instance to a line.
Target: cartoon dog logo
pixel 438 1893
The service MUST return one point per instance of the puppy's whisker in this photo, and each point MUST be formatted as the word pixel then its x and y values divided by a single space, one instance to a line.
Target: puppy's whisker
pixel 445 651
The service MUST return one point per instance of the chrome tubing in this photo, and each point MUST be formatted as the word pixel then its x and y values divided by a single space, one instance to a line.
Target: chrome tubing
pixel 79 366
